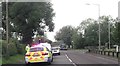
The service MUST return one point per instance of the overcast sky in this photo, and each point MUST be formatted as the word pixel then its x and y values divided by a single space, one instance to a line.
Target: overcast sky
pixel 72 12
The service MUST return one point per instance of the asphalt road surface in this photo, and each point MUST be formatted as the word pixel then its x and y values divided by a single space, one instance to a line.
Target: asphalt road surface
pixel 80 58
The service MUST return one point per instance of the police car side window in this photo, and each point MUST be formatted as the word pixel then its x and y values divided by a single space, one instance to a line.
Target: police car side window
pixel 47 49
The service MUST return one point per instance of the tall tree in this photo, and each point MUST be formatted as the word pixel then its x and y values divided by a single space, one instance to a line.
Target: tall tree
pixel 65 34
pixel 28 17
pixel 105 21
pixel 77 39
pixel 116 32
pixel 89 28
pixel 91 35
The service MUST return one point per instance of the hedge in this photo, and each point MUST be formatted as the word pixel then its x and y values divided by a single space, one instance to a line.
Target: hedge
pixel 13 48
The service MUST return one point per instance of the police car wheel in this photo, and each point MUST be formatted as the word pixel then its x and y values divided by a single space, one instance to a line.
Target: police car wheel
pixel 49 63
pixel 58 53
pixel 28 64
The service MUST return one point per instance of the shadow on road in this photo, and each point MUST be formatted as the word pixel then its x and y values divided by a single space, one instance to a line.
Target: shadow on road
pixel 37 64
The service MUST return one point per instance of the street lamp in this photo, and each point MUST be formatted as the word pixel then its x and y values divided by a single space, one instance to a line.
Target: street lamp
pixel 109 35
pixel 98 21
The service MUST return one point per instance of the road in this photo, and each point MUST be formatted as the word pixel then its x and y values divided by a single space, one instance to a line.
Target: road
pixel 80 58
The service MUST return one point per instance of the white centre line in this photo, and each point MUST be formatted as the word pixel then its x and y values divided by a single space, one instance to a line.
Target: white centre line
pixel 70 60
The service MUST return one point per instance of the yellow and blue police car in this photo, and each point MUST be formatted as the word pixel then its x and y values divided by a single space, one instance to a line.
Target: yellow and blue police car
pixel 38 54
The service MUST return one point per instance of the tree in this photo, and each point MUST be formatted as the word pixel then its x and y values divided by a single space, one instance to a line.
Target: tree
pixel 77 39
pixel 84 24
pixel 91 35
pixel 89 29
pixel 87 33
pixel 65 34
pixel 116 32
pixel 28 17
pixel 11 29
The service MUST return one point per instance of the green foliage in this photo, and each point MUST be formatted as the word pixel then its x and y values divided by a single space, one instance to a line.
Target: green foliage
pixel 8 50
pixel 91 31
pixel 119 32
pixel 12 48
pixel 105 20
pixel 65 34
pixel 116 32
pixel 11 28
pixel 77 40
pixel 91 34
pixel 16 58
pixel 86 34
pixel 20 47
pixel 28 17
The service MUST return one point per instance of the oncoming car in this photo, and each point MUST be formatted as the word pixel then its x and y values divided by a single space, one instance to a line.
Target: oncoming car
pixel 38 54
pixel 56 50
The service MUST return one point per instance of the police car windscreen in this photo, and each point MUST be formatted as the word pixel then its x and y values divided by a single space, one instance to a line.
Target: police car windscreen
pixel 36 49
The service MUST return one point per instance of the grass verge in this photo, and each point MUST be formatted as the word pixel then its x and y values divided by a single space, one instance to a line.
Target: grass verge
pixel 16 59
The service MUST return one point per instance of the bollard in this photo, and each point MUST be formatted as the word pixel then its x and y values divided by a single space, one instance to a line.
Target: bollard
pixel 104 52
pixel 96 52
pixel 113 54
pixel 88 50
pixel 117 54
pixel 101 52
pixel 108 53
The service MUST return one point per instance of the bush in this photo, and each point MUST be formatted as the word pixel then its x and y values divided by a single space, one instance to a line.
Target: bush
pixel 20 47
pixel 8 49
pixel 4 48
pixel 13 48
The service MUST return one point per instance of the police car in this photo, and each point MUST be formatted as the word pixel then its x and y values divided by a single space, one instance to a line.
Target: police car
pixel 38 53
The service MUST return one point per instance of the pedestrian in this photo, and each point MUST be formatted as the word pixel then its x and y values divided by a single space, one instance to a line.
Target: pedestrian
pixel 27 48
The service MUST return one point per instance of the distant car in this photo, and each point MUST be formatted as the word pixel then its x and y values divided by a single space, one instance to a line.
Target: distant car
pixel 63 47
pixel 56 50
pixel 38 54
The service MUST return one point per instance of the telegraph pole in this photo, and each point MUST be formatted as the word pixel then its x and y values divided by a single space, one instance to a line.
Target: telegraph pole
pixel 7 35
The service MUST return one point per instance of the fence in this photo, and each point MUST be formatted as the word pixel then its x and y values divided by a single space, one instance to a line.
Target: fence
pixel 108 53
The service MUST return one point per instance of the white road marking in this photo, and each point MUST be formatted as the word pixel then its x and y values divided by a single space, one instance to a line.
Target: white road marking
pixel 70 60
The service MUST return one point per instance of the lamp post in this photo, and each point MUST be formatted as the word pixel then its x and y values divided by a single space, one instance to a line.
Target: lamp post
pixel 109 35
pixel 98 21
